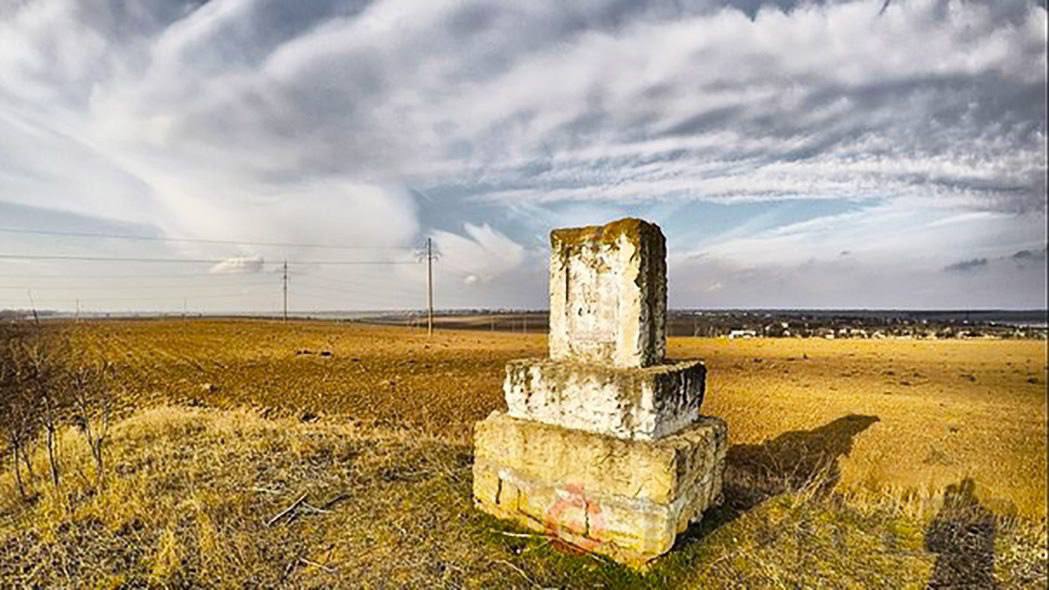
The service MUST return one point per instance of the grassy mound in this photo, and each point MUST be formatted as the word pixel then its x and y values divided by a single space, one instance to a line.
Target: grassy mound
pixel 210 498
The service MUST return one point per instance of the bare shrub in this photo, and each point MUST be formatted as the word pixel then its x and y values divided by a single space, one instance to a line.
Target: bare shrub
pixel 34 399
pixel 92 405
pixel 18 416
pixel 38 377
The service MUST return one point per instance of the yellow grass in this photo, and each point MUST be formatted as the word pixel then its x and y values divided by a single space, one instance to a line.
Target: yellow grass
pixel 193 496
pixel 841 455
pixel 945 409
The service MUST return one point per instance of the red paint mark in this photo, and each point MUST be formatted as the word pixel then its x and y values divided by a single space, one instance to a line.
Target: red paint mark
pixel 594 521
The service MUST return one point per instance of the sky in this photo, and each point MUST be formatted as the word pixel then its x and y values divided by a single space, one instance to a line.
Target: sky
pixel 867 154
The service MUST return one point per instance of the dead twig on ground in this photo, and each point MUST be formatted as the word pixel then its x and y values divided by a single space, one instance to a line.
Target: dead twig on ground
pixel 291 566
pixel 286 511
pixel 520 535
pixel 545 543
pixel 335 501
pixel 320 566
pixel 519 571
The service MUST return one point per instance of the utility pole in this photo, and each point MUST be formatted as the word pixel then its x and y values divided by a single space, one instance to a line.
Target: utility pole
pixel 32 305
pixel 285 289
pixel 429 286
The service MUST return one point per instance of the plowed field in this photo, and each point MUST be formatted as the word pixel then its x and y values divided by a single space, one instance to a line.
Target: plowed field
pixel 897 414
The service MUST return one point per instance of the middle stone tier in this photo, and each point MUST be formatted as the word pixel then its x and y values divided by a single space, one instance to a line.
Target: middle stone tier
pixel 629 403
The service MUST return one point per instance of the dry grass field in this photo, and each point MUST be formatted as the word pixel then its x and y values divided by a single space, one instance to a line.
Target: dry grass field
pixel 853 463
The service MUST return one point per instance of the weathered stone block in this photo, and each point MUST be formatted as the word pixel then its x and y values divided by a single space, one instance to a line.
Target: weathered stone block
pixel 608 294
pixel 640 404
pixel 623 498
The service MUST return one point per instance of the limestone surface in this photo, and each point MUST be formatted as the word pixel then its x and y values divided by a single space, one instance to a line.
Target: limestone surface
pixel 640 404
pixel 603 445
pixel 608 294
pixel 622 498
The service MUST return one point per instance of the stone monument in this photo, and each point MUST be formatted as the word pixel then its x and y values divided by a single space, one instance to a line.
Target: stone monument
pixel 602 445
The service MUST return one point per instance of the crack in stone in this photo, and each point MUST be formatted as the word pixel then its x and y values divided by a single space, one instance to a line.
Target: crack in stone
pixel 586 517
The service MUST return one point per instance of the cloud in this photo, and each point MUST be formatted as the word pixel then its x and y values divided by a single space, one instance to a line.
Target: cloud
pixel 894 234
pixel 1025 258
pixel 714 107
pixel 1025 255
pixel 324 121
pixel 966 265
pixel 482 254
pixel 239 265
pixel 855 284
pixel 1020 258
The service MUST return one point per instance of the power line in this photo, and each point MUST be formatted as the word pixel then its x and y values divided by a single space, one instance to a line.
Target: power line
pixel 351 262
pixel 429 286
pixel 369 285
pixel 357 293
pixel 174 275
pixel 358 288
pixel 111 287
pixel 355 298
pixel 76 234
pixel 372 305
pixel 109 258
pixel 184 275
pixel 169 298
pixel 191 260
pixel 363 284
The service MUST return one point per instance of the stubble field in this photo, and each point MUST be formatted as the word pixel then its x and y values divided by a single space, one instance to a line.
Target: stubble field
pixel 887 426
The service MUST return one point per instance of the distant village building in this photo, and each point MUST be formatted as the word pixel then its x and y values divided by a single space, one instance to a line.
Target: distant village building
pixel 736 334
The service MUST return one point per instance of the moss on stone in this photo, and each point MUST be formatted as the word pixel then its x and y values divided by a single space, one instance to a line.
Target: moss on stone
pixel 638 249
pixel 635 230
pixel 565 369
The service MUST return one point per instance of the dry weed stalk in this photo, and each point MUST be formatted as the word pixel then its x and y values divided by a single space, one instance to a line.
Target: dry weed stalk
pixel 38 394
pixel 36 380
pixel 14 421
pixel 19 417
pixel 92 405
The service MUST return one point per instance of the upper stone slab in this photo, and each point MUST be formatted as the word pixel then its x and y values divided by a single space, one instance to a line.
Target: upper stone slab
pixel 608 294
pixel 638 403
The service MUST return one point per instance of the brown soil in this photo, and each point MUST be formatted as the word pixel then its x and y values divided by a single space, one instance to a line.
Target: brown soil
pixel 932 411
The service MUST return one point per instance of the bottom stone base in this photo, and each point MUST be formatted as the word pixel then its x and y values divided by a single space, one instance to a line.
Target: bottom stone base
pixel 625 499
